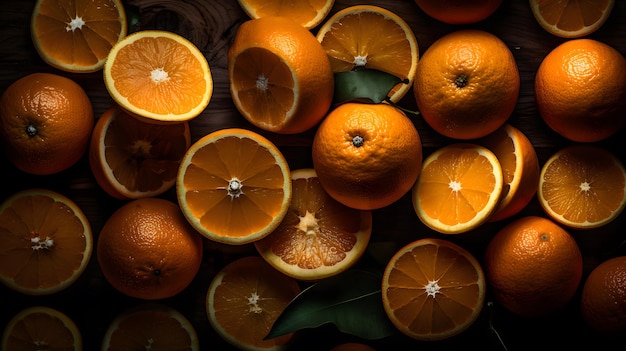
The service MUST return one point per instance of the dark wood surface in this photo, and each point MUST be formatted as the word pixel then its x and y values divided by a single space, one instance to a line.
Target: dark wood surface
pixel 211 25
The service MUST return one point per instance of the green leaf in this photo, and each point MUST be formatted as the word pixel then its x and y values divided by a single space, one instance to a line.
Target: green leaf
pixel 351 301
pixel 363 85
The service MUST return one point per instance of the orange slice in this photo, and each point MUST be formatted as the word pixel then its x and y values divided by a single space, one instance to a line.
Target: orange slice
pixel 45 242
pixel 433 289
pixel 459 188
pixel 571 18
pixel 308 13
pixel 77 36
pixel 244 300
pixel 319 237
pixel 41 328
pixel 158 75
pixel 132 159
pixel 234 186
pixel 367 36
pixel 582 186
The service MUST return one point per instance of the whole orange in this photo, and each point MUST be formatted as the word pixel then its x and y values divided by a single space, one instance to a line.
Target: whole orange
pixel 533 266
pixel 466 84
pixel 367 156
pixel 148 250
pixel 459 11
pixel 45 123
pixel 580 90
pixel 603 300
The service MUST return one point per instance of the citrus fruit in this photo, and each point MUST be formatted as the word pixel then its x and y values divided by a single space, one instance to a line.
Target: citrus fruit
pixel 131 158
pixel 368 36
pixel 76 36
pixel 603 300
pixel 466 84
pixel 45 242
pixel 459 11
pixel 533 266
pixel 520 169
pixel 459 188
pixel 41 328
pixel 244 300
pixel 158 75
pixel 571 18
pixel 580 90
pixel 147 250
pixel 319 237
pixel 352 346
pixel 367 156
pixel 234 186
pixel 433 289
pixel 151 326
pixel 280 78
pixel 582 186
pixel 308 13
pixel 45 123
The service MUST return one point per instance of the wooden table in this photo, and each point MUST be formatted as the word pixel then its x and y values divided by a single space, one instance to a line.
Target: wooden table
pixel 211 25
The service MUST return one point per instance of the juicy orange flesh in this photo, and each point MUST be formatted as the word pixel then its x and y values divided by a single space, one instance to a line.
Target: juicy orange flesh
pixel 137 63
pixel 451 307
pixel 39 218
pixel 37 327
pixel 157 329
pixel 264 84
pixel 572 15
pixel 501 144
pixel 207 178
pixel 302 11
pixel 467 169
pixel 99 32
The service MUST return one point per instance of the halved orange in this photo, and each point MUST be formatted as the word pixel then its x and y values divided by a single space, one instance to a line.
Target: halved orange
pixel 41 328
pixel 45 242
pixel 583 186
pixel 459 188
pixel 571 18
pixel 234 186
pixel 77 36
pixel 368 36
pixel 308 13
pixel 433 289
pixel 158 75
pixel 319 237
pixel 131 158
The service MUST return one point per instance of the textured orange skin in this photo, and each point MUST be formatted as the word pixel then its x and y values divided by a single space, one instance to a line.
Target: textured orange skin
pixel 459 11
pixel 603 301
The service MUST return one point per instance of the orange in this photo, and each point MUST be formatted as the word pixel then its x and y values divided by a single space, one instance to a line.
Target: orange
pixel 533 266
pixel 244 300
pixel 45 123
pixel 308 13
pixel 158 75
pixel 458 189
pixel 76 36
pixel 367 156
pixel 367 36
pixel 466 84
pixel 280 78
pixel 603 299
pixel 234 186
pixel 45 242
pixel 582 186
pixel 150 326
pixel 41 328
pixel 131 158
pixel 580 90
pixel 571 18
pixel 319 237
pixel 147 250
pixel 459 11
pixel 520 169
pixel 352 346
pixel 433 289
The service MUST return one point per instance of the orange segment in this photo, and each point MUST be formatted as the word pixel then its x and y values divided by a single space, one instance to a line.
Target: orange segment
pixel 76 36
pixel 45 242
pixel 234 186
pixel 371 37
pixel 308 13
pixel 571 18
pixel 433 289
pixel 319 237
pixel 583 186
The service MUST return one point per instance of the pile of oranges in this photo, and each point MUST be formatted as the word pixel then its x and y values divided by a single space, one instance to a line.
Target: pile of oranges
pixel 494 220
